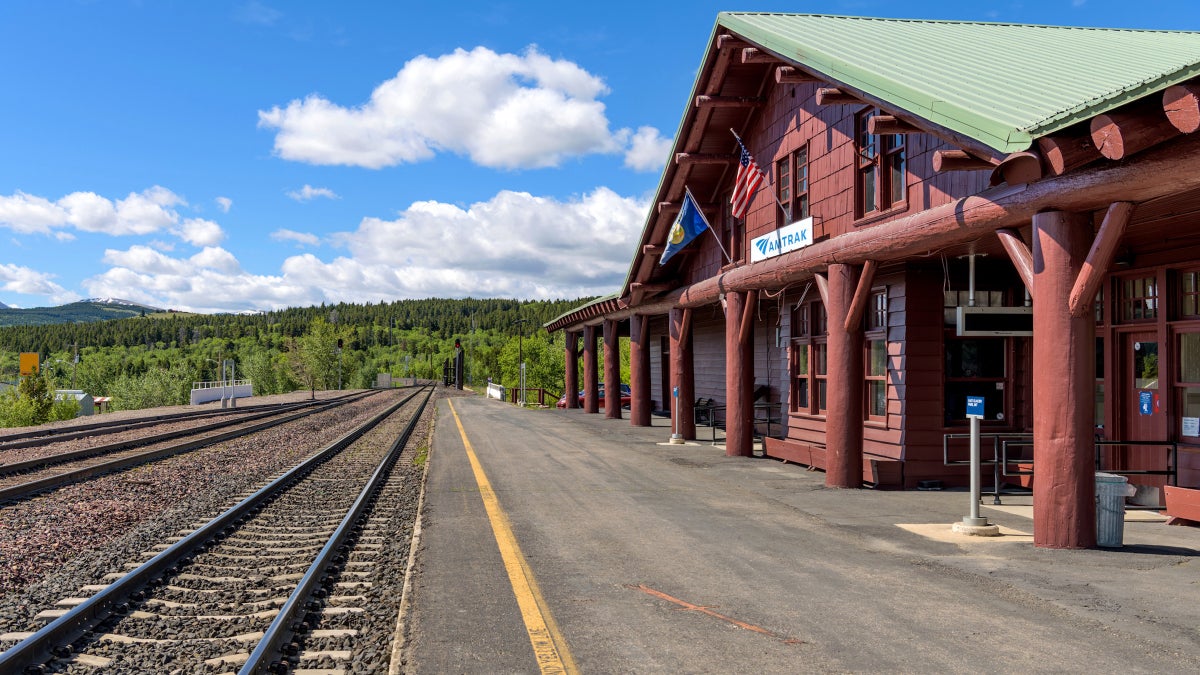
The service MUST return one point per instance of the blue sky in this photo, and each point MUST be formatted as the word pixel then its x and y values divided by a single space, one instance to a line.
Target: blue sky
pixel 225 156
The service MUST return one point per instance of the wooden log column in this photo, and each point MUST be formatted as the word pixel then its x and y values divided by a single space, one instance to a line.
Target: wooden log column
pixel 1064 362
pixel 844 410
pixel 683 375
pixel 572 368
pixel 739 374
pixel 639 371
pixel 612 371
pixel 591 377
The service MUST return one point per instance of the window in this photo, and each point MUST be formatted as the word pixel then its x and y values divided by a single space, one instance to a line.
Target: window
pixel 809 359
pixel 1187 387
pixel 1139 299
pixel 975 367
pixel 876 356
pixel 791 185
pixel 881 180
pixel 783 186
pixel 1189 295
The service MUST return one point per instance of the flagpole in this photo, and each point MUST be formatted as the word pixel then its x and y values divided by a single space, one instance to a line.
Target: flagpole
pixel 708 224
pixel 774 193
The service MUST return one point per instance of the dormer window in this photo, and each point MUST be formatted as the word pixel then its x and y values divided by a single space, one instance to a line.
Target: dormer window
pixel 881 169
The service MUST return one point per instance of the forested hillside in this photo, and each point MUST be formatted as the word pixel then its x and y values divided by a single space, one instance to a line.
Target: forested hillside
pixel 154 359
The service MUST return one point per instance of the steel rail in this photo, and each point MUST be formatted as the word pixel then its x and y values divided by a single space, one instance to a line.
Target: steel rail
pixel 59 458
pixel 282 630
pixel 40 647
pixel 23 490
pixel 85 431
pixel 56 434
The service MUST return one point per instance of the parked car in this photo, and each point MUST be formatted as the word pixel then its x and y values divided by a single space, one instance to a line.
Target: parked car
pixel 626 397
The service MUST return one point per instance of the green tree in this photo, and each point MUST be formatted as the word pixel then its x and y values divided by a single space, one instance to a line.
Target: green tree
pixel 313 356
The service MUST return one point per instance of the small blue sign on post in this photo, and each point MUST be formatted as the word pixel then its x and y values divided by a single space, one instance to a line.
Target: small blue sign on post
pixel 975 407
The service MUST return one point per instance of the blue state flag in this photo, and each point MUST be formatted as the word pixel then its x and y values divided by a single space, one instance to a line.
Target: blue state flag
pixel 690 223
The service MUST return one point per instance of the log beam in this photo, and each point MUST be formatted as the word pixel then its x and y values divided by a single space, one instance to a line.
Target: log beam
pixel 651 287
pixel 1064 388
pixel 748 317
pixel 844 386
pixel 693 158
pixel 792 75
pixel 889 124
pixel 756 55
pixel 739 376
pixel 1182 105
pixel 572 364
pixel 1067 151
pixel 728 101
pixel 612 370
pixel 653 249
pixel 1099 258
pixel 862 294
pixel 1019 254
pixel 835 96
pixel 822 288
pixel 959 160
pixel 639 371
pixel 591 376
pixel 1121 133
pixel 730 42
pixel 1018 168
pixel 683 374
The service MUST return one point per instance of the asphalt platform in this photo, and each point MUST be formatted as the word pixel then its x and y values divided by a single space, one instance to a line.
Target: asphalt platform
pixel 560 541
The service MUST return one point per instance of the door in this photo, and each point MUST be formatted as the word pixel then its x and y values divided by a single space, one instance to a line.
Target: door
pixel 1143 388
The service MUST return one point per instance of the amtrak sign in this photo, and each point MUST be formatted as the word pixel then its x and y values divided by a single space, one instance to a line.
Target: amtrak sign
pixel 794 236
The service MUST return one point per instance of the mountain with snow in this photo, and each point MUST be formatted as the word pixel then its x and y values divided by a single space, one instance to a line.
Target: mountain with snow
pixel 122 303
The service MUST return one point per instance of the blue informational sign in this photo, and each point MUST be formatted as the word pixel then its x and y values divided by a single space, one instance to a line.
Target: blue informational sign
pixel 1146 402
pixel 975 407
pixel 675 392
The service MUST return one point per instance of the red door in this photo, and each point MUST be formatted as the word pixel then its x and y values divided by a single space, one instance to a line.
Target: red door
pixel 1143 389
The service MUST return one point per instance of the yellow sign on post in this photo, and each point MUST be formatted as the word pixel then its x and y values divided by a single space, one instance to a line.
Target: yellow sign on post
pixel 29 363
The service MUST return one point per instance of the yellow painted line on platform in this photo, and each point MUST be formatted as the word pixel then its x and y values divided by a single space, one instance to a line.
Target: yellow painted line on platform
pixel 549 647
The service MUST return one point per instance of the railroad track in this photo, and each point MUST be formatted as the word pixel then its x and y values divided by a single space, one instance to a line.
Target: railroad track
pixel 25 478
pixel 284 579
pixel 40 436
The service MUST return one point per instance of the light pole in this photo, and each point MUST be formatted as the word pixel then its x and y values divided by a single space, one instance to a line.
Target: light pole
pixel 521 357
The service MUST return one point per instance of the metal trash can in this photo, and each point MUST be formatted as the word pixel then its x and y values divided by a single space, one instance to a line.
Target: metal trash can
pixel 1111 491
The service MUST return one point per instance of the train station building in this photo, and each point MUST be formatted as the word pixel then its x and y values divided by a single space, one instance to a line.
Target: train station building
pixel 901 214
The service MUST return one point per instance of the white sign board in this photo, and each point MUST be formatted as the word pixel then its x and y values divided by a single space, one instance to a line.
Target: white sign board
pixel 797 235
pixel 1191 426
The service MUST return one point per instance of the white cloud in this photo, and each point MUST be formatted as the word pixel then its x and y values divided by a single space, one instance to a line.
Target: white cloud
pixel 136 214
pixel 501 110
pixel 28 214
pixel 141 213
pixel 513 245
pixel 301 238
pixel 199 232
pixel 309 193
pixel 18 279
pixel 224 203
pixel 647 150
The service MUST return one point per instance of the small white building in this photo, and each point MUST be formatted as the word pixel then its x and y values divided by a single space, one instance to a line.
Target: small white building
pixel 87 404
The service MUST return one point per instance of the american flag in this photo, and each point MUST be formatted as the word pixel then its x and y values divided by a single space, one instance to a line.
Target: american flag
pixel 749 177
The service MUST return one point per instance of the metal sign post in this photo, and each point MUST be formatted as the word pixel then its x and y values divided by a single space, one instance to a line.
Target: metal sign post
pixel 676 438
pixel 973 523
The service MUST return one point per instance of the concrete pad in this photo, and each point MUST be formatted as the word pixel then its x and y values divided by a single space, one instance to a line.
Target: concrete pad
pixel 944 532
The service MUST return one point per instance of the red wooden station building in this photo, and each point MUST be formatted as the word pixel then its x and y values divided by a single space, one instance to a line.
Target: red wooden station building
pixel 948 209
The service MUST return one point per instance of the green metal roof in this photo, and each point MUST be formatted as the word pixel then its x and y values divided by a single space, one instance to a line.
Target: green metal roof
pixel 1001 84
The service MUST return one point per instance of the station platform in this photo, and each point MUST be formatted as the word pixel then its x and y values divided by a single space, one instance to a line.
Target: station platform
pixel 561 541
